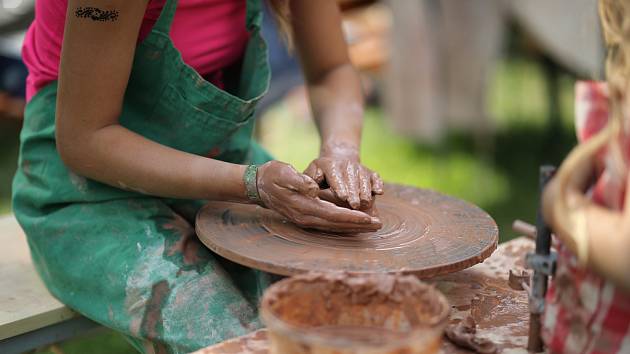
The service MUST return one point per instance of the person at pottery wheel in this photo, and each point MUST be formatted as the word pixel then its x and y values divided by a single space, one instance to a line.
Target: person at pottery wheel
pixel 144 112
pixel 587 308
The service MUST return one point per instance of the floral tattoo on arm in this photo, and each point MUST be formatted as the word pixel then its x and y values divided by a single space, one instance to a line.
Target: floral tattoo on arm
pixel 95 14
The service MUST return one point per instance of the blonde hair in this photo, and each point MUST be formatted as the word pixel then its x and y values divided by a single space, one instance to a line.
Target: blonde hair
pixel 615 22
pixel 282 14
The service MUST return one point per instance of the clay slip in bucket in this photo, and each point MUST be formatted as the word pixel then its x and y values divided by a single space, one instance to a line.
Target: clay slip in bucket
pixel 341 313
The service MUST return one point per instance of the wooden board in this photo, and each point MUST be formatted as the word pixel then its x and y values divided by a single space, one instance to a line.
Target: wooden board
pixel 25 303
pixel 424 233
pixel 501 313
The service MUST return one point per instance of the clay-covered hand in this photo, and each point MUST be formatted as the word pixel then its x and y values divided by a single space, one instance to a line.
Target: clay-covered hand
pixel 340 169
pixel 295 196
pixel 330 196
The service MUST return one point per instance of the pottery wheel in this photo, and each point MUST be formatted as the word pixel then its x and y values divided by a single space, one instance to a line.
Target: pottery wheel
pixel 424 233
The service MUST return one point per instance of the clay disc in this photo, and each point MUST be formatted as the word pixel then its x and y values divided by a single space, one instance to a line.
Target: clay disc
pixel 424 233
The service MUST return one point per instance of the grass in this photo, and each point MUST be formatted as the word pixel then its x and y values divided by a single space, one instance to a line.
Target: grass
pixel 499 174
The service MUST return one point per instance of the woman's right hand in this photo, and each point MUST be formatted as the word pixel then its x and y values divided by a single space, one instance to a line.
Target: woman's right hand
pixel 295 196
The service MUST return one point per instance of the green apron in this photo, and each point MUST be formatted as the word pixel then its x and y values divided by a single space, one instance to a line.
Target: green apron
pixel 129 261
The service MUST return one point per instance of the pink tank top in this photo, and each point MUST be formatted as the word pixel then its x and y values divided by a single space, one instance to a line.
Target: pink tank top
pixel 210 34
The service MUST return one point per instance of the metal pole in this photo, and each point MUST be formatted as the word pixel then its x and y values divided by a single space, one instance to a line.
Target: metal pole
pixel 543 266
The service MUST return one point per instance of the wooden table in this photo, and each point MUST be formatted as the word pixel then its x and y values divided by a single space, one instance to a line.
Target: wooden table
pixel 482 291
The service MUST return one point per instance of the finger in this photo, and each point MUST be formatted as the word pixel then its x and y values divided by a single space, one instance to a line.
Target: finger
pixel 301 183
pixel 311 170
pixel 329 196
pixel 315 172
pixel 365 188
pixel 314 222
pixel 352 181
pixel 310 187
pixel 329 211
pixel 319 176
pixel 377 183
pixel 331 219
pixel 335 180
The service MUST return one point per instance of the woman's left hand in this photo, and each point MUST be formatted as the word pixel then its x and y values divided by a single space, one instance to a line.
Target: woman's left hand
pixel 347 177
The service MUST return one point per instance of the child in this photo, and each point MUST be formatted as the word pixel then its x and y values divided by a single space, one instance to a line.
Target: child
pixel 588 304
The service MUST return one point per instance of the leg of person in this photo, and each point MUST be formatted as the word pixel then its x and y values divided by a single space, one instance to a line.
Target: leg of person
pixel 136 266
pixel 243 277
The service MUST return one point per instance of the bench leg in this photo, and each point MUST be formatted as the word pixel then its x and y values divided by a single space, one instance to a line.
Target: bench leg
pixel 47 335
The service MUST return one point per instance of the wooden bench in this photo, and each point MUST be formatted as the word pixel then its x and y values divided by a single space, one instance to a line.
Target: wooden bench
pixel 29 316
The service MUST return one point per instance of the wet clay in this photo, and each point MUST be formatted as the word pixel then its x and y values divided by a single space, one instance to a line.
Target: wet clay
pixel 295 196
pixel 339 169
pixel 424 233
pixel 482 292
pixel 369 336
pixel 367 207
pixel 518 281
pixel 463 334
pixel 353 313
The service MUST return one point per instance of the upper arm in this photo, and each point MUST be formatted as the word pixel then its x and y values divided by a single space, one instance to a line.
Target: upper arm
pixel 96 61
pixel 318 36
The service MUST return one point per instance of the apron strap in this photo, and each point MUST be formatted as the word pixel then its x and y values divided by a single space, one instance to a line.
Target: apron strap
pixel 165 20
pixel 254 14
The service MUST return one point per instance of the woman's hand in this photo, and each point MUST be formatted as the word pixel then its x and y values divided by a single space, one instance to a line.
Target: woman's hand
pixel 329 196
pixel 295 196
pixel 339 168
pixel 336 100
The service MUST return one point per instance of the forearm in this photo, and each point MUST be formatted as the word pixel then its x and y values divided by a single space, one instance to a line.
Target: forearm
pixel 119 157
pixel 334 85
pixel 337 104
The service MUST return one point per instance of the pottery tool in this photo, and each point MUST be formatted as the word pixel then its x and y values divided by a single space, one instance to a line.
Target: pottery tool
pixel 524 228
pixel 424 233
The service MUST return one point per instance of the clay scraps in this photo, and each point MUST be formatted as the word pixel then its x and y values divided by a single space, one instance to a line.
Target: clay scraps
pixel 463 335
pixel 519 281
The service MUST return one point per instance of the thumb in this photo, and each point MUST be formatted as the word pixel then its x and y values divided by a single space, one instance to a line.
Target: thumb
pixel 315 173
pixel 301 183
pixel 308 187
